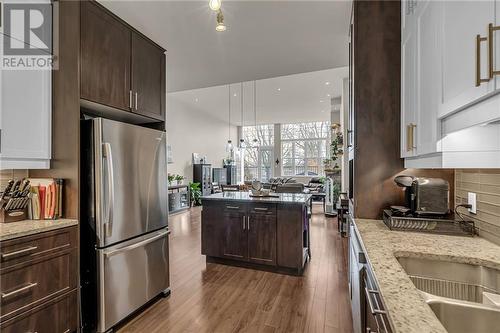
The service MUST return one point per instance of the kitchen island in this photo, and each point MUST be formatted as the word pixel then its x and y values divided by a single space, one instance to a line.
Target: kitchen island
pixel 270 233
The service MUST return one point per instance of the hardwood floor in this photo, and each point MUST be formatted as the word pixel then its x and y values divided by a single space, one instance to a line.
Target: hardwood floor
pixel 218 298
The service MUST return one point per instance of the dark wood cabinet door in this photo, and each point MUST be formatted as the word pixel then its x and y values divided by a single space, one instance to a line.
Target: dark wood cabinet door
pixel 105 58
pixel 212 229
pixel 235 238
pixel 261 230
pixel 148 78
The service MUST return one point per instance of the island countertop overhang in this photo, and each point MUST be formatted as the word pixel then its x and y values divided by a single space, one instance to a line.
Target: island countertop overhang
pixel 245 197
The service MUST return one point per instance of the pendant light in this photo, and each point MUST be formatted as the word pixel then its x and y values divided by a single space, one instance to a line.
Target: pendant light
pixel 242 141
pixel 255 141
pixel 220 27
pixel 229 145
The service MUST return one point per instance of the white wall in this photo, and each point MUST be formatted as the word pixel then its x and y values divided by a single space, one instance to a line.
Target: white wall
pixel 191 131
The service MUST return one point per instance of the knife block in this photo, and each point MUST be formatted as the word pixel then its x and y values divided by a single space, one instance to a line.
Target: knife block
pixel 13 215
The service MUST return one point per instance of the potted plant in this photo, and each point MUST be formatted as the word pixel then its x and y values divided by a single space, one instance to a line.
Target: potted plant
pixel 195 194
pixel 179 179
pixel 170 178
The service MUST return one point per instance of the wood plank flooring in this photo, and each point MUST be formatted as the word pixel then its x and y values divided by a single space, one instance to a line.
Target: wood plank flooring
pixel 218 298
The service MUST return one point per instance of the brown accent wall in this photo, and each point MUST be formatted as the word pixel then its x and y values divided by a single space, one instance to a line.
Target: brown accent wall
pixel 377 78
pixel 486 184
pixel 66 107
pixel 376 59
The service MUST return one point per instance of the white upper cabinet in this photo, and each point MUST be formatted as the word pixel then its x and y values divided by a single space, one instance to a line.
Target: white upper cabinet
pixel 25 119
pixel 408 83
pixel 462 22
pixel 428 87
pixel 450 84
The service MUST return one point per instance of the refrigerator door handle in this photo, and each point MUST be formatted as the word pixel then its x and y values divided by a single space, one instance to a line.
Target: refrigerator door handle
pixel 111 189
pixel 138 244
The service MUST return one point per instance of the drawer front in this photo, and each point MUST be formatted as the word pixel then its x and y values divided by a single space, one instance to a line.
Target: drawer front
pixel 268 209
pixel 56 316
pixel 35 282
pixel 19 250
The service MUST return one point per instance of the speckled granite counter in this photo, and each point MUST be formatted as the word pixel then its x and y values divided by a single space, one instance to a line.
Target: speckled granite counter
pixel 30 227
pixel 279 198
pixel 407 309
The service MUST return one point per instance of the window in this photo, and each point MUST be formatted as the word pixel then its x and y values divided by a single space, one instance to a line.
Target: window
pixel 258 156
pixel 304 146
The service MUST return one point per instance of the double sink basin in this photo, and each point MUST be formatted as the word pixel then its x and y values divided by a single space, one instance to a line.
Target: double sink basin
pixel 464 297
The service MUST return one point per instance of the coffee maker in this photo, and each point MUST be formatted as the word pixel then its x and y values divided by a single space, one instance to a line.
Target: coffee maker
pixel 425 196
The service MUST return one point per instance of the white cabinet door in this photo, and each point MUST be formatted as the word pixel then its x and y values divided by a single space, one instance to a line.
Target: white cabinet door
pixel 25 119
pixel 496 47
pixel 462 21
pixel 428 21
pixel 408 81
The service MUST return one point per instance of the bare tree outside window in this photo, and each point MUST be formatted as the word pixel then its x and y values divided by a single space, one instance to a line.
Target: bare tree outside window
pixel 258 155
pixel 304 146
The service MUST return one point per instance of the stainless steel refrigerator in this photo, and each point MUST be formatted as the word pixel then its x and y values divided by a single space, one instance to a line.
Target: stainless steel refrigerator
pixel 124 220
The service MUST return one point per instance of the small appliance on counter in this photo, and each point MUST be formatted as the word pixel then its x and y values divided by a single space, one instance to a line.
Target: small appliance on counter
pixel 427 208
pixel 425 196
pixel 14 201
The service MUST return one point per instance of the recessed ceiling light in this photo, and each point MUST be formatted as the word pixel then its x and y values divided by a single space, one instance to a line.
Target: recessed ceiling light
pixel 214 4
pixel 321 101
pixel 196 100
pixel 279 89
pixel 327 83
pixel 328 95
pixel 235 95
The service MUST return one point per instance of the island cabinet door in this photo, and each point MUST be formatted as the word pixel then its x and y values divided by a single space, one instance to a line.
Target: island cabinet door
pixel 261 225
pixel 235 238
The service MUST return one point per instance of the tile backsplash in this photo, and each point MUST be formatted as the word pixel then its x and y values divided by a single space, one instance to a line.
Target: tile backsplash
pixel 7 174
pixel 486 183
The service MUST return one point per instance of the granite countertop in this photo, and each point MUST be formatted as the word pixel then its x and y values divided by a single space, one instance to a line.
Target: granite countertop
pixel 280 198
pixel 407 309
pixel 30 227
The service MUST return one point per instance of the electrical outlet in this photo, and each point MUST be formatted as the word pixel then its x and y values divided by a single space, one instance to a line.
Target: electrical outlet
pixel 472 201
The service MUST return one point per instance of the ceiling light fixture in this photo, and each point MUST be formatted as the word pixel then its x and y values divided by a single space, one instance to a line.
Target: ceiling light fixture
pixel 321 101
pixel 214 4
pixel 229 145
pixel 279 89
pixel 255 141
pixel 220 27
pixel 328 95
pixel 327 83
pixel 242 141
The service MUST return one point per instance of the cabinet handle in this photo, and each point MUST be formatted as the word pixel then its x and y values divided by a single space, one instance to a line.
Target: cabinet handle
pixel 15 253
pixel 232 207
pixel 410 134
pixel 19 290
pixel 130 99
pixel 262 209
pixel 136 100
pixel 244 222
pixel 491 43
pixel 248 223
pixel 479 80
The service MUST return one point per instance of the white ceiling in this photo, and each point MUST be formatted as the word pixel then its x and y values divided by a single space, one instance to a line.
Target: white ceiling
pixel 264 38
pixel 285 99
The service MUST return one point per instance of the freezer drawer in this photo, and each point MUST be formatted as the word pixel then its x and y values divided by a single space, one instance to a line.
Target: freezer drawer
pixel 131 274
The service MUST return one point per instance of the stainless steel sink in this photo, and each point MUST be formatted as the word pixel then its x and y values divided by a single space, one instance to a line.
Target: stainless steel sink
pixel 455 293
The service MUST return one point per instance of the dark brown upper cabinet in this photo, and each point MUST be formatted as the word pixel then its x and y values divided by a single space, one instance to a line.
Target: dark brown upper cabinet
pixel 105 58
pixel 148 83
pixel 120 68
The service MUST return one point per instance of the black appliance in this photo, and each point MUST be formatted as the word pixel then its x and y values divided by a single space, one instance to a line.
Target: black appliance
pixel 202 173
pixel 425 196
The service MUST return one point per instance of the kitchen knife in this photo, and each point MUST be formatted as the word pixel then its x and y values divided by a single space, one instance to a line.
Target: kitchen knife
pixel 7 189
pixel 24 185
pixel 16 185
